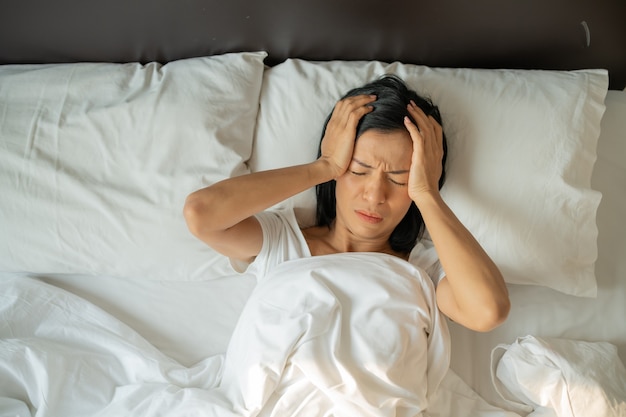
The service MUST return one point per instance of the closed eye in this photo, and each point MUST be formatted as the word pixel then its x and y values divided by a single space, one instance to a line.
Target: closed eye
pixel 401 184
pixel 360 174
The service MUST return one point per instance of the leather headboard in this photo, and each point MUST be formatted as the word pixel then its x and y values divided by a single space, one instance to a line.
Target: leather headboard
pixel 540 34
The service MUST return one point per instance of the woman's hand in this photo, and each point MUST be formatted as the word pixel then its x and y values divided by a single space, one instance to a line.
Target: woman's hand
pixel 473 292
pixel 338 141
pixel 426 167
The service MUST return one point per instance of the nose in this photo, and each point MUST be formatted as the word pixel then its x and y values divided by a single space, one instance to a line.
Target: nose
pixel 375 190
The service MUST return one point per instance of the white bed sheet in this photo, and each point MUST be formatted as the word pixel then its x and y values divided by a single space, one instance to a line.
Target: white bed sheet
pixel 191 321
pixel 186 320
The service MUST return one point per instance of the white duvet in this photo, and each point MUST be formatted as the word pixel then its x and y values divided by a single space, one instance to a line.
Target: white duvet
pixel 337 335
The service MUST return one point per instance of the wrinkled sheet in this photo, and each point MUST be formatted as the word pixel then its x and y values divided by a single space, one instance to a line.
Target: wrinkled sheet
pixel 340 335
pixel 561 377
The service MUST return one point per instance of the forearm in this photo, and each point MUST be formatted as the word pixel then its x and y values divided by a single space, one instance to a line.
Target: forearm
pixel 475 282
pixel 226 203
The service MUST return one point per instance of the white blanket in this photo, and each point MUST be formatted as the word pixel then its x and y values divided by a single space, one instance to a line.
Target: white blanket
pixel 339 335
pixel 558 377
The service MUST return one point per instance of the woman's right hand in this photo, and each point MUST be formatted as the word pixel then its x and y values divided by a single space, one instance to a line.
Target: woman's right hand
pixel 338 141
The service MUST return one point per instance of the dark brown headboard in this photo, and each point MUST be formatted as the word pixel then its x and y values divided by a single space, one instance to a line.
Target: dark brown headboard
pixel 542 34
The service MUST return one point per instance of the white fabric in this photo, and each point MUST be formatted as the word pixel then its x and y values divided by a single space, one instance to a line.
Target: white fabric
pixel 186 320
pixel 283 240
pixel 543 312
pixel 571 378
pixel 522 148
pixel 609 177
pixel 62 356
pixel 362 330
pixel 192 320
pixel 96 160
pixel 354 331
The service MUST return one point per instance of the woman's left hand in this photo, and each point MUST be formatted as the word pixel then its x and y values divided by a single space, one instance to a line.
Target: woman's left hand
pixel 473 292
pixel 426 167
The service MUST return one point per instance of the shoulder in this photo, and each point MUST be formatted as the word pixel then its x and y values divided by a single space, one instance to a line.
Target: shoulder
pixel 282 241
pixel 278 222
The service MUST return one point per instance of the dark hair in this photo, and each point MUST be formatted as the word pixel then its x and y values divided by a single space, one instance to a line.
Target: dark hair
pixel 390 108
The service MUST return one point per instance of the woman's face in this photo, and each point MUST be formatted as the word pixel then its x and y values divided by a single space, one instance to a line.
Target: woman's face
pixel 372 196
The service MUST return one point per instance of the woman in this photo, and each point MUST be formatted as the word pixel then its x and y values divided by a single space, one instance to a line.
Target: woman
pixel 378 166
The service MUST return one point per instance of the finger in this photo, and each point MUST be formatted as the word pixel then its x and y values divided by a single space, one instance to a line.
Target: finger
pixel 353 102
pixel 438 129
pixel 430 129
pixel 431 132
pixel 419 116
pixel 436 126
pixel 416 138
pixel 357 113
pixel 414 131
pixel 424 121
pixel 354 107
pixel 360 98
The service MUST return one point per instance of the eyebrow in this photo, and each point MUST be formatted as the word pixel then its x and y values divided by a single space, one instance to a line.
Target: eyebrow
pixel 395 172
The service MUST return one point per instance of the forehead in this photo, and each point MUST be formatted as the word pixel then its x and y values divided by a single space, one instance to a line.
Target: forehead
pixel 392 148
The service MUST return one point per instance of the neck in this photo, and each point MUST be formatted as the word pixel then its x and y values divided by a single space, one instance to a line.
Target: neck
pixel 342 240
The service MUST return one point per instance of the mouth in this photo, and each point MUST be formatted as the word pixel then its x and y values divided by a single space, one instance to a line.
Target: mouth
pixel 369 217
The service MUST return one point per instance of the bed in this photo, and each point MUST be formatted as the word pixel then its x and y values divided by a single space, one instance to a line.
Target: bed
pixel 112 113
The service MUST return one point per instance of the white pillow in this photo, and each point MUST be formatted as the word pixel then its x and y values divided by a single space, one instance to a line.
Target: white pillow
pixel 96 160
pixel 522 145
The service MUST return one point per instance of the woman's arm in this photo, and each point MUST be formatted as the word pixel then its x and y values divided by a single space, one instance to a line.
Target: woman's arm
pixel 222 215
pixel 473 292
